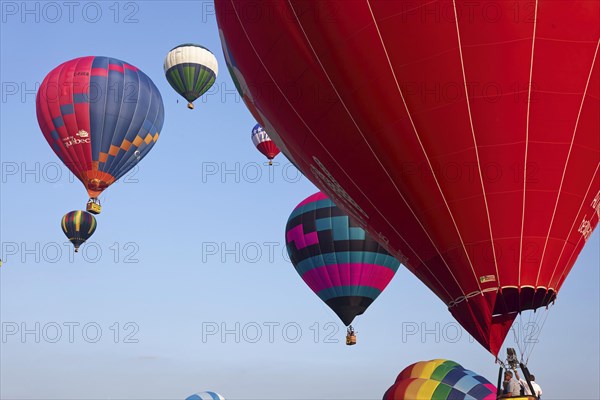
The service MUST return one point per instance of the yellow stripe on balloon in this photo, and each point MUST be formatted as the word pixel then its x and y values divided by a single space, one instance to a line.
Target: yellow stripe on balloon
pixel 77 220
pixel 427 388
pixel 424 369
pixel 92 226
pixel 64 223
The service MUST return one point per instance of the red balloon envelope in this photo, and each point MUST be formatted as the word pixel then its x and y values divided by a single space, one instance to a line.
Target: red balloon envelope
pixel 464 136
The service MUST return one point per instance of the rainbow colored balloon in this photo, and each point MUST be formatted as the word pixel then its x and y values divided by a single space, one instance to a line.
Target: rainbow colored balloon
pixel 439 380
pixel 336 258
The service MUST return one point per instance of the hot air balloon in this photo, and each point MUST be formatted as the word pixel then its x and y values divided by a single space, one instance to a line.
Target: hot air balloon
pixel 263 143
pixel 101 116
pixel 439 380
pixel 206 396
pixel 336 258
pixel 78 226
pixel 191 70
pixel 468 146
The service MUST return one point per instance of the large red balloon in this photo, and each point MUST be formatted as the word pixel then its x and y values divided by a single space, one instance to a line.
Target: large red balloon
pixel 464 135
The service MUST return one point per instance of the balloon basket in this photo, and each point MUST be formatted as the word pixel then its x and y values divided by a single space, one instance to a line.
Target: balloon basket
pixel 93 208
pixel 350 340
pixel 190 106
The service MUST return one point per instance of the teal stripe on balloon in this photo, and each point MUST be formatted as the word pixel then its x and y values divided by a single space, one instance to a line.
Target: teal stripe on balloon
pixel 340 228
pixel 338 291
pixel 357 233
pixel 323 224
pixel 315 205
pixel 347 257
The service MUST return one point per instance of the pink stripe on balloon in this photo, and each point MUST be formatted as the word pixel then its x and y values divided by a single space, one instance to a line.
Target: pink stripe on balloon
pixel 115 67
pixel 328 276
pixel 296 235
pixel 493 389
pixel 311 199
pixel 99 72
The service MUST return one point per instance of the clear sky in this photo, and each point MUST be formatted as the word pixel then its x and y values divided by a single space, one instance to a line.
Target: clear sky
pixel 185 285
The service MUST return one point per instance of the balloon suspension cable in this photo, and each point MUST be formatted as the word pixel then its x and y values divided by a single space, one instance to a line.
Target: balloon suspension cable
pixel 536 322
pixel 526 335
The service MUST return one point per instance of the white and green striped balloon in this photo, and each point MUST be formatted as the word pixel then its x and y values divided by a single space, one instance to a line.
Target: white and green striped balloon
pixel 191 70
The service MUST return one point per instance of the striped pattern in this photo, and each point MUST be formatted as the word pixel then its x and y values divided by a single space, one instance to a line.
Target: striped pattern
pixel 78 226
pixel 263 142
pixel 206 396
pixel 191 70
pixel 338 260
pixel 101 116
pixel 440 380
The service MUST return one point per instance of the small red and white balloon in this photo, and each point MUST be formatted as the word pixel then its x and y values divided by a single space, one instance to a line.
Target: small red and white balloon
pixel 263 143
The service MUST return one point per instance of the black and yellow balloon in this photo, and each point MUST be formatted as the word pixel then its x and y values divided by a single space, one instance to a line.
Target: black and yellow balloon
pixel 78 226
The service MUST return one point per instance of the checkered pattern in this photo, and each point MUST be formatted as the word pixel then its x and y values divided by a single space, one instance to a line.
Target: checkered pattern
pixel 101 116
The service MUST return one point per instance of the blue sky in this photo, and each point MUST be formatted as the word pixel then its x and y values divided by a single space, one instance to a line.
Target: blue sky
pixel 190 245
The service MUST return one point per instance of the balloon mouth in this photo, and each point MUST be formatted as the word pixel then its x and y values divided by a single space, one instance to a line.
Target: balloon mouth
pixel 98 184
pixel 96 181
pixel 348 307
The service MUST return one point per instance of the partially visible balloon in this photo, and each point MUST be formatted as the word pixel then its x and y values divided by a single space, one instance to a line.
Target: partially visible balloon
pixel 101 116
pixel 336 258
pixel 191 70
pixel 439 380
pixel 78 226
pixel 263 143
pixel 468 147
pixel 206 396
